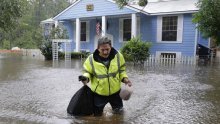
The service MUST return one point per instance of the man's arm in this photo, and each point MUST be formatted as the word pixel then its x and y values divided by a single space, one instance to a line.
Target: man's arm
pixel 87 72
pixel 122 71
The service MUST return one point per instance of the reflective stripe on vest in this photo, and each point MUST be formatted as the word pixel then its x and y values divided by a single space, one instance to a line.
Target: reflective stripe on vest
pixel 104 75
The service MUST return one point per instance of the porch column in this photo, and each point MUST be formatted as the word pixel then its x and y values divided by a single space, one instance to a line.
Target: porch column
pixel 103 25
pixel 56 24
pixel 77 35
pixel 133 25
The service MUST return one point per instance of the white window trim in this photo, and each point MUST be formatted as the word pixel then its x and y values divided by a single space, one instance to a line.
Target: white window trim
pixel 121 21
pixel 87 31
pixel 178 54
pixel 179 29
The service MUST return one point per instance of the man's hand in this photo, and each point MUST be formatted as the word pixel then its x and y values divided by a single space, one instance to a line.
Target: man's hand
pixel 84 79
pixel 127 82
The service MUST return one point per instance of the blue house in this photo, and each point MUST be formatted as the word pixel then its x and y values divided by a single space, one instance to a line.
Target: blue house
pixel 167 24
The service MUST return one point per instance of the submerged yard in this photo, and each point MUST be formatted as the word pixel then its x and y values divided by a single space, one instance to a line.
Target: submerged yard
pixel 37 91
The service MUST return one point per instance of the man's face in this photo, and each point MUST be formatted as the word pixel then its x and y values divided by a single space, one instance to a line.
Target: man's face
pixel 104 50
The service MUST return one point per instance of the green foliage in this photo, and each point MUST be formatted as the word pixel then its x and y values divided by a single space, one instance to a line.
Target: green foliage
pixel 20 20
pixel 43 9
pixel 46 49
pixel 23 36
pixel 58 33
pixel 6 44
pixel 136 50
pixel 11 11
pixel 122 3
pixel 208 18
pixel 74 55
pixel 142 2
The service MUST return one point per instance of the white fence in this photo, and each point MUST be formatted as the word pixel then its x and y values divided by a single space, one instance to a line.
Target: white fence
pixel 170 59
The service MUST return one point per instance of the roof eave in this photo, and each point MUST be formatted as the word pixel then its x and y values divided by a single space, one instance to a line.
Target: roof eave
pixel 174 12
pixel 55 18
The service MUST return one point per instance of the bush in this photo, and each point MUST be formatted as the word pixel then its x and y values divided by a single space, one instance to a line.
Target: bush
pixel 136 50
pixel 6 44
pixel 74 55
pixel 46 49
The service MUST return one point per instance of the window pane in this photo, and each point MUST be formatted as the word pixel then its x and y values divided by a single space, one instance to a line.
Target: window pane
pixel 169 35
pixel 83 37
pixel 126 29
pixel 169 28
pixel 83 31
pixel 127 36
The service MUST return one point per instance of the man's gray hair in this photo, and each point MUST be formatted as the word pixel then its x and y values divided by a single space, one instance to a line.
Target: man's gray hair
pixel 104 40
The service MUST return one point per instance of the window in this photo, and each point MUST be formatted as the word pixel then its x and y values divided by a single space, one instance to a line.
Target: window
pixel 125 29
pixel 169 29
pixel 83 31
pixel 168 54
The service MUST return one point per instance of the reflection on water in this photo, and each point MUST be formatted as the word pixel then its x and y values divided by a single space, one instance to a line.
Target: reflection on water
pixel 38 91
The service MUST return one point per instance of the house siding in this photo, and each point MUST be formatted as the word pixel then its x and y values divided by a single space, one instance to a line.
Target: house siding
pixel 202 40
pixel 113 29
pixel 148 33
pixel 101 8
pixel 148 28
pixel 187 45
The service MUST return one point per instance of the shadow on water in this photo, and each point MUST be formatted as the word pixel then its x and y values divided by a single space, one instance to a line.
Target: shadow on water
pixel 34 91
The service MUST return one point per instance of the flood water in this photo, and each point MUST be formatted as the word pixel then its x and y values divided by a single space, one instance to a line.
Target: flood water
pixel 34 91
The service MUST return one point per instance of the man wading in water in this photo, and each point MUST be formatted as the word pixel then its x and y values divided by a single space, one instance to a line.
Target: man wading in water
pixel 105 69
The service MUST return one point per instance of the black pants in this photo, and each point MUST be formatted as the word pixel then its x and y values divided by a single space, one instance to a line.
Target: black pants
pixel 100 102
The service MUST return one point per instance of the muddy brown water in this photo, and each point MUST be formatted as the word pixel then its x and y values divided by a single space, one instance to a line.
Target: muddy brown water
pixel 35 91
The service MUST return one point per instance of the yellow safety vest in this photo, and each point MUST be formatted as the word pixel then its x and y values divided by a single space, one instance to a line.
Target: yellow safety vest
pixel 105 81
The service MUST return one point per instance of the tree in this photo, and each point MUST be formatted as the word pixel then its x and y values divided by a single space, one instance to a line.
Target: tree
pixel 208 18
pixel 46 46
pixel 44 9
pixel 122 3
pixel 11 11
pixel 27 32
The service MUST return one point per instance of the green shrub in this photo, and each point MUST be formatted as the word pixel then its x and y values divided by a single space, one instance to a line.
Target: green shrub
pixel 6 44
pixel 76 55
pixel 46 49
pixel 136 50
